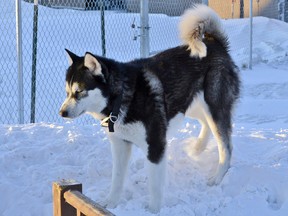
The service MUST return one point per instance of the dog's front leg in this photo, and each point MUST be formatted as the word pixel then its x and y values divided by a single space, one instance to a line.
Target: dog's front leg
pixel 157 174
pixel 121 151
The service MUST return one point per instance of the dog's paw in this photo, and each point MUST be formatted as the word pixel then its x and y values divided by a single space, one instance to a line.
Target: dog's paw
pixel 217 179
pixel 154 208
pixel 214 181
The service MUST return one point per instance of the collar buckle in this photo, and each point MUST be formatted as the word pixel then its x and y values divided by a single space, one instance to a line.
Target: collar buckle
pixel 110 121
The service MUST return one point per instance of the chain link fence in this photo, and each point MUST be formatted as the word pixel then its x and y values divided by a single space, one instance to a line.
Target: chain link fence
pixel 103 27
pixel 48 29
pixel 8 63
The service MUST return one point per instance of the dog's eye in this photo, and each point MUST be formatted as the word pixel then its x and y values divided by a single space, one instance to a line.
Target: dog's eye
pixel 78 94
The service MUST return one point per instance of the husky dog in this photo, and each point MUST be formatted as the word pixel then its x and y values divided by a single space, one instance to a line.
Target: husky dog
pixel 140 101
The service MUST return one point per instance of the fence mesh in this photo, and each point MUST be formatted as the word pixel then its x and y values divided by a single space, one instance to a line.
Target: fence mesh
pixel 103 27
pixel 75 25
pixel 8 63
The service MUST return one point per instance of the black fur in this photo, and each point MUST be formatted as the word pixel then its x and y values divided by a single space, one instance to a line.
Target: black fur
pixel 181 77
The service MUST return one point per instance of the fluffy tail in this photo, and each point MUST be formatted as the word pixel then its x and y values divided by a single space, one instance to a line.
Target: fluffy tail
pixel 195 24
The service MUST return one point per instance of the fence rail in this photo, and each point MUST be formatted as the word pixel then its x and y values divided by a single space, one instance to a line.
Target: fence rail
pixel 68 200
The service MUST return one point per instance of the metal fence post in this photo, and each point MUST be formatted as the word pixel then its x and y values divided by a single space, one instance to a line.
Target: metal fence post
pixel 19 61
pixel 102 9
pixel 251 31
pixel 34 62
pixel 285 16
pixel 144 29
pixel 241 8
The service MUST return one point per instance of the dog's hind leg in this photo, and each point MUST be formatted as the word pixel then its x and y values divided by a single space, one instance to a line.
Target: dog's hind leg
pixel 221 129
pixel 221 89
pixel 157 173
pixel 197 111
pixel 203 136
pixel 121 151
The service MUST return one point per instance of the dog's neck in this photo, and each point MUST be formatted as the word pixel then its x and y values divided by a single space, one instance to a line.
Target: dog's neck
pixel 112 112
pixel 98 116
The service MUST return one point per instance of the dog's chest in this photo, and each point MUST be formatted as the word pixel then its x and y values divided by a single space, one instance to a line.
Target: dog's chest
pixel 132 132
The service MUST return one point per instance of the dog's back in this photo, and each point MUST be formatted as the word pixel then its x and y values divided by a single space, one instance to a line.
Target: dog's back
pixel 183 76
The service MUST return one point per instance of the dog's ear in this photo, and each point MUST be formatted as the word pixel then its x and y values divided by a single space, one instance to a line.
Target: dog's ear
pixel 71 57
pixel 92 64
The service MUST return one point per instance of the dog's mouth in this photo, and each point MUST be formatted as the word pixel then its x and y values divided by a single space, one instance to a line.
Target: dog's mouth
pixel 81 113
pixel 65 114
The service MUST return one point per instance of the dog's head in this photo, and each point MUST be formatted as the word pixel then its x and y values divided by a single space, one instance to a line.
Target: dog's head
pixel 86 87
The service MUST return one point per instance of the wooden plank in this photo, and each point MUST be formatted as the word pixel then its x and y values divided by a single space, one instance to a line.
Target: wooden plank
pixel 85 204
pixel 79 213
pixel 60 207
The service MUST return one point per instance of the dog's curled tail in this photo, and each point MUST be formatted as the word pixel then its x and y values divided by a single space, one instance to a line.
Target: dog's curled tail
pixel 197 22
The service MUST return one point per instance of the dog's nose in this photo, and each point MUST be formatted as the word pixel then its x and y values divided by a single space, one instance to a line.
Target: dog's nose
pixel 63 113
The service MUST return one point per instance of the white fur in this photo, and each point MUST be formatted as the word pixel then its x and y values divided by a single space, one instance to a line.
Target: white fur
pixel 132 132
pixel 154 82
pixel 157 88
pixel 121 152
pixel 199 110
pixel 92 64
pixel 157 182
pixel 93 103
pixel 194 23
pixel 136 134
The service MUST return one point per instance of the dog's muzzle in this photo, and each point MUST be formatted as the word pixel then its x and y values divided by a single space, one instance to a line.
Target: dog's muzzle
pixel 63 113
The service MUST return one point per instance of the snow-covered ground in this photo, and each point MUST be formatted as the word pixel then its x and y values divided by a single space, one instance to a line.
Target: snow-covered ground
pixel 32 156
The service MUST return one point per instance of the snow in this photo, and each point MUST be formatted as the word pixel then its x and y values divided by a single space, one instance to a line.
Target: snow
pixel 32 156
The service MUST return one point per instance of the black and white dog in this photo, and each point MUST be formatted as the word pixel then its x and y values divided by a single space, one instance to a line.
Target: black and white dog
pixel 142 100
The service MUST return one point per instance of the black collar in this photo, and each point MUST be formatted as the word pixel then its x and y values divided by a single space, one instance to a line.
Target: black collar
pixel 114 115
